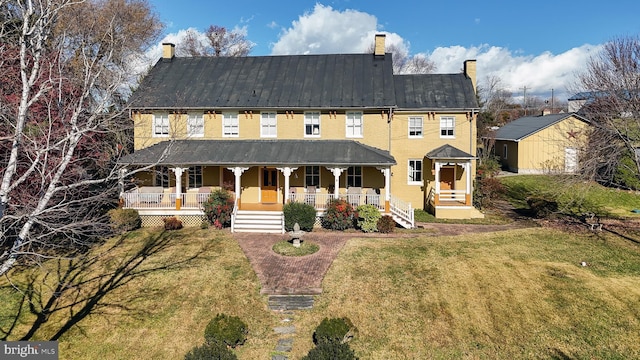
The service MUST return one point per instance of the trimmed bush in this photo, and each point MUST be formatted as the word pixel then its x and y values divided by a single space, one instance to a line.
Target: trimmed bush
pixel 225 329
pixel 123 220
pixel 208 352
pixel 368 216
pixel 301 213
pixel 339 215
pixel 487 191
pixel 339 330
pixel 172 223
pixel 331 351
pixel 386 224
pixel 542 207
pixel 218 208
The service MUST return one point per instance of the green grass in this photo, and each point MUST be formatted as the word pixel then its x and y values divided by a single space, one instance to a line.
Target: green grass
pixel 512 294
pixel 286 248
pixel 574 196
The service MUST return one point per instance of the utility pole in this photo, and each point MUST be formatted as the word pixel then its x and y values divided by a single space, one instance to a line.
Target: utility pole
pixel 524 100
pixel 552 101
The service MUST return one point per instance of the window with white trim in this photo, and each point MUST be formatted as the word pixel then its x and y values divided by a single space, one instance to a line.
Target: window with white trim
pixel 312 124
pixel 160 125
pixel 195 176
pixel 354 176
pixel 447 126
pixel 195 125
pixel 268 124
pixel 415 126
pixel 312 176
pixel 504 151
pixel 415 172
pixel 354 124
pixel 230 125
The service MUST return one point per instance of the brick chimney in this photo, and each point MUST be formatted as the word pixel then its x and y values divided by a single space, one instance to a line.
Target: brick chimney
pixel 168 51
pixel 470 71
pixel 378 50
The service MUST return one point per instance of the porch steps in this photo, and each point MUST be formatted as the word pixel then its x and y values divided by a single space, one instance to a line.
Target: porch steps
pixel 258 221
pixel 400 221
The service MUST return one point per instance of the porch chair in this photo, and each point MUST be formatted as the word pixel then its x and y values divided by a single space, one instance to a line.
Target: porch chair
pixel 373 197
pixel 353 196
pixel 293 191
pixel 310 196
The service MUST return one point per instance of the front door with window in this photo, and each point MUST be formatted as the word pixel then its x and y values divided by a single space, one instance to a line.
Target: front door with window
pixel 269 191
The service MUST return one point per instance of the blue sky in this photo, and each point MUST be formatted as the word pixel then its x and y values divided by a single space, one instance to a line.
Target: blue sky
pixel 538 44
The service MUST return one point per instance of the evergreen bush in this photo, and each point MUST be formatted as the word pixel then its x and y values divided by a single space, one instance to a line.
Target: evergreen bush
pixel 368 216
pixel 225 329
pixel 123 220
pixel 301 213
pixel 211 351
pixel 331 351
pixel 339 330
pixel 339 215
pixel 386 224
pixel 218 208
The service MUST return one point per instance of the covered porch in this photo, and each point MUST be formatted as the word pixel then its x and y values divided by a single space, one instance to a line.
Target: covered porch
pixel 450 185
pixel 263 175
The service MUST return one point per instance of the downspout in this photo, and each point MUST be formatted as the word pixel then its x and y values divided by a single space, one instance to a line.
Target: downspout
pixel 389 127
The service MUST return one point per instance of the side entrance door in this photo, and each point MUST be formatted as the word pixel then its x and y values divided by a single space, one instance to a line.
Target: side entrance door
pixel 269 190
pixel 447 178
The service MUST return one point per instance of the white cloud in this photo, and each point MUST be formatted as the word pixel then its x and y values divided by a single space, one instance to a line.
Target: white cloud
pixel 329 31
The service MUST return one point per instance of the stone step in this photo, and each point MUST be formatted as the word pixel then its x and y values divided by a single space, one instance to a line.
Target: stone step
pixel 290 302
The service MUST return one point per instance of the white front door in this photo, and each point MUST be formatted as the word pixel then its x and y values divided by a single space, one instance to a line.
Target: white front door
pixel 570 160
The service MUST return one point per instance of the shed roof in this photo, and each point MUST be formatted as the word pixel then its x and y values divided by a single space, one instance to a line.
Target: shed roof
pixel 526 126
pixel 260 152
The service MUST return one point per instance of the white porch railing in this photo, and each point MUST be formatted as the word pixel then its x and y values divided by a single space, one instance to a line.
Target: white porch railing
pixel 155 200
pixel 402 210
pixel 453 195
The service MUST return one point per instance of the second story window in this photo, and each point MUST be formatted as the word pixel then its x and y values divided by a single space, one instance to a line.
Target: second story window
pixel 230 125
pixel 268 124
pixel 447 126
pixel 354 124
pixel 195 125
pixel 415 127
pixel 160 125
pixel 312 124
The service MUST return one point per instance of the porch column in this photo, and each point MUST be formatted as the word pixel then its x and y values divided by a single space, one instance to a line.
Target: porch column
pixel 387 189
pixel 178 172
pixel 336 180
pixel 286 171
pixel 436 196
pixel 121 174
pixel 237 172
pixel 467 194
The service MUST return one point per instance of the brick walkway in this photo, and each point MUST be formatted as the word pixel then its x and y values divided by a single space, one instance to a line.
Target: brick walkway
pixel 286 275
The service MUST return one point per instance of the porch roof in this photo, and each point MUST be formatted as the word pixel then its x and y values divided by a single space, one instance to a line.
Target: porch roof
pixel 448 152
pixel 260 152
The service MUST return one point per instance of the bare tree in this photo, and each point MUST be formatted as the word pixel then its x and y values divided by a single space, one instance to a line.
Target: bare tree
pixel 71 65
pixel 216 41
pixel 403 63
pixel 612 77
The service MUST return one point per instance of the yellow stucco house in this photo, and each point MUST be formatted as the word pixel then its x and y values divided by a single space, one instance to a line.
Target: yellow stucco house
pixel 275 129
pixel 542 144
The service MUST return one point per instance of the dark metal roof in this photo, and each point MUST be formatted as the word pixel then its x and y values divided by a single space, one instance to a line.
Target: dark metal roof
pixel 448 152
pixel 435 91
pixel 287 82
pixel 260 152
pixel 526 126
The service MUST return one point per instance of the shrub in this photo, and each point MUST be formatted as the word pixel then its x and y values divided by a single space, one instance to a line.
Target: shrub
pixel 225 329
pixel 218 208
pixel 212 351
pixel 330 351
pixel 386 224
pixel 542 207
pixel 301 213
pixel 368 216
pixel 486 191
pixel 339 330
pixel 172 223
pixel 123 220
pixel 339 215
